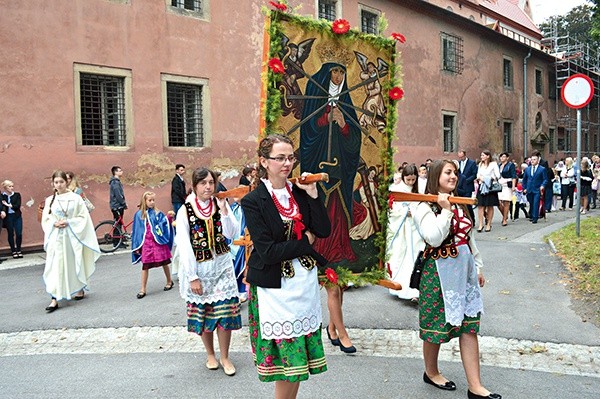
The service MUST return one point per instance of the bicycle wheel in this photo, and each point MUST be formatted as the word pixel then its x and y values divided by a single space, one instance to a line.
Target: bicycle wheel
pixel 109 236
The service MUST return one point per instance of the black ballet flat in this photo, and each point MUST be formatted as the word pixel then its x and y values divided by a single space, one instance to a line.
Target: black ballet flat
pixel 334 342
pixel 51 309
pixel 472 395
pixel 448 386
pixel 347 349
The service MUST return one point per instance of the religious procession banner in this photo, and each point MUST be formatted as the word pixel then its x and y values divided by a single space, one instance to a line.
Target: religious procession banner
pixel 333 91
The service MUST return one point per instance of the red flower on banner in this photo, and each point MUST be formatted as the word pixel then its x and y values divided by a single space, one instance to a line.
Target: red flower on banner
pixel 390 201
pixel 331 275
pixel 396 93
pixel 278 5
pixel 340 26
pixel 399 37
pixel 276 65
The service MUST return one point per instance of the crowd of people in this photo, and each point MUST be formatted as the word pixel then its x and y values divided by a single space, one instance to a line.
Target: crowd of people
pixel 279 278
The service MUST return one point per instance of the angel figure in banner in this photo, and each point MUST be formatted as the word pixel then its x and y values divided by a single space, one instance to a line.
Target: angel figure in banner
pixel 373 103
pixel 293 56
pixel 366 208
pixel 330 141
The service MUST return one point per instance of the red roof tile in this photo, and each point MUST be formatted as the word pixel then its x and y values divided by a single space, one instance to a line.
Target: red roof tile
pixel 510 9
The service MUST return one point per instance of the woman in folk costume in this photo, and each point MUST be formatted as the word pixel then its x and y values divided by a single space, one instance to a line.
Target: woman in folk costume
pixel 284 301
pixel 450 303
pixel 151 241
pixel 238 252
pixel 404 241
pixel 70 243
pixel 206 277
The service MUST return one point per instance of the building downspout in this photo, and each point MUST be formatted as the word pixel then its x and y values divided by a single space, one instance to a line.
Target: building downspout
pixel 525 119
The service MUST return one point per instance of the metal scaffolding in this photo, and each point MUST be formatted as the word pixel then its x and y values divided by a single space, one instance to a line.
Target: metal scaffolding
pixel 574 57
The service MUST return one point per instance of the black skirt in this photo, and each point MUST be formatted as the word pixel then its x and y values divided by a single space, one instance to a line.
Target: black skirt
pixel 490 199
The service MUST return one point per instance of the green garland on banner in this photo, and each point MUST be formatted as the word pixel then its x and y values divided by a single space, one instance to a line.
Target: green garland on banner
pixel 273 112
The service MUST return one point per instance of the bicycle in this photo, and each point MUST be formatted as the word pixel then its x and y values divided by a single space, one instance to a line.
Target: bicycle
pixel 111 234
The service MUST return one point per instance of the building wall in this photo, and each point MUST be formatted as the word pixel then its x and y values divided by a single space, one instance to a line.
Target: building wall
pixel 42 42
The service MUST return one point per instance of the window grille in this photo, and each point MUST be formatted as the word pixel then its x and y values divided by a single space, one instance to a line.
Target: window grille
pixel 449 133
pixel 508 74
pixel 452 53
pixel 184 115
pixel 507 137
pixel 368 22
pixel 538 81
pixel 192 5
pixel 327 10
pixel 102 110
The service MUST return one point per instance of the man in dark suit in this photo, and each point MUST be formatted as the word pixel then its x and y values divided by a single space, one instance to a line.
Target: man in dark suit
pixel 548 187
pixel 534 183
pixel 467 173
pixel 178 192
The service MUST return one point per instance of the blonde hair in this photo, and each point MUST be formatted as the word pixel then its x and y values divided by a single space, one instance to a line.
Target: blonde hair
pixel 143 206
pixel 7 183
pixel 569 162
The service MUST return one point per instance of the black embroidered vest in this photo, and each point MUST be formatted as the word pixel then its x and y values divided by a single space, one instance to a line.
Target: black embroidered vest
pixel 199 235
pixel 307 261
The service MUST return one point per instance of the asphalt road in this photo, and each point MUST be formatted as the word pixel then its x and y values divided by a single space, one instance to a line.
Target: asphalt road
pixel 525 299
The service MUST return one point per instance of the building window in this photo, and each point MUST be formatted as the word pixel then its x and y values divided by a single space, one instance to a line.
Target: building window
pixel 452 53
pixel 368 22
pixel 551 86
pixel 185 112
pixel 552 137
pixel 327 9
pixel 102 106
pixel 507 137
pixel 560 139
pixel 449 128
pixel 507 73
pixel 191 5
pixel 538 81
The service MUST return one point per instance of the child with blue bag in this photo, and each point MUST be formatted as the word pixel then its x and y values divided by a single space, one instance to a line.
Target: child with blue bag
pixel 151 241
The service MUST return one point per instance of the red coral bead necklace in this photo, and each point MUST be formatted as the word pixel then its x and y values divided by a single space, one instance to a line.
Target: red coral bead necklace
pixel 205 212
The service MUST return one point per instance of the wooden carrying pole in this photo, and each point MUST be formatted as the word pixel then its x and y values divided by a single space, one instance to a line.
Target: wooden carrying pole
pixel 239 192
pixel 407 197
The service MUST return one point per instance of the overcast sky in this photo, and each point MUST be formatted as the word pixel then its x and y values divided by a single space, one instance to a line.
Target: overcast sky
pixel 543 9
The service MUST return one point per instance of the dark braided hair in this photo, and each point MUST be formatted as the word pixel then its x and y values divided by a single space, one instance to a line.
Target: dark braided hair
pixel 266 146
pixel 57 173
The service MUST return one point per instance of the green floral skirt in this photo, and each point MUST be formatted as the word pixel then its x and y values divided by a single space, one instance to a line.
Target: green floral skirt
pixel 291 359
pixel 432 320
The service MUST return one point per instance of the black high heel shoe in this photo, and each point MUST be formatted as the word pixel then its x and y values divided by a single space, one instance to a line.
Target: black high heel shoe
pixel 334 342
pixel 448 386
pixel 347 349
pixel 472 395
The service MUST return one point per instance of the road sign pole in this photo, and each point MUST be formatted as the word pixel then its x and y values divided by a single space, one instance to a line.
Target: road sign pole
pixel 577 213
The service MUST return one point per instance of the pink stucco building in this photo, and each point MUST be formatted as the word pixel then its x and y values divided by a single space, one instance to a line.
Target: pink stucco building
pixel 147 84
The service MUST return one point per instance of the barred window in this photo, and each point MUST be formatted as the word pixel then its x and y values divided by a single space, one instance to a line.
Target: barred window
pixel 507 137
pixel 449 133
pixel 507 74
pixel 538 81
pixel 552 137
pixel 452 53
pixel 368 22
pixel 102 110
pixel 327 9
pixel 192 5
pixel 184 115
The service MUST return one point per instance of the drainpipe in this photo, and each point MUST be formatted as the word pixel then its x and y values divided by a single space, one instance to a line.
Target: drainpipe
pixel 525 139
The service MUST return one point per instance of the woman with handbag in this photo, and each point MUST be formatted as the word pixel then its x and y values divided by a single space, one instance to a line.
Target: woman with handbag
pixel 487 194
pixel 567 184
pixel 451 270
pixel 508 181
pixel 73 185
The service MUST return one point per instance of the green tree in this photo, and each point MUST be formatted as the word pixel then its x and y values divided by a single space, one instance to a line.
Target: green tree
pixel 595 29
pixel 576 23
